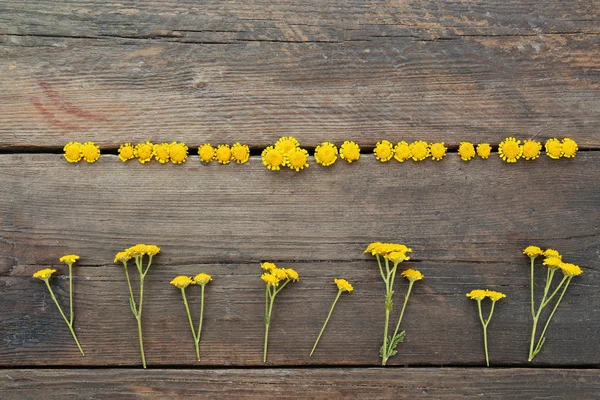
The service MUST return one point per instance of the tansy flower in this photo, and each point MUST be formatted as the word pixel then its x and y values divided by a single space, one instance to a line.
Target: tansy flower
pixel 292 274
pixel 126 152
pixel 122 256
pixel 531 149
pixel 466 151
pixel 279 273
pixel 285 144
pixel 297 159
pixel 343 285
pixel 202 279
pixel 73 152
pixel 494 296
pixel 270 279
pixel 90 152
pixel 178 152
pixel 240 153
pixel 396 256
pixel 569 148
pixel 273 158
pixel 551 253
pixel 206 152
pixel 144 152
pixel 570 270
pixel 44 274
pixel 326 154
pixel 532 251
pixel 554 148
pixel 349 151
pixel 152 249
pixel 268 266
pixel 402 151
pixel 484 150
pixel 552 262
pixel 384 151
pixel 412 275
pixel 510 150
pixel 419 150
pixel 477 294
pixel 223 154
pixel 161 152
pixel 181 282
pixel 69 258
pixel 438 151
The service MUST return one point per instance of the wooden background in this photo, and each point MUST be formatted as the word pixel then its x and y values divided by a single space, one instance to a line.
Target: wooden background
pixel 251 71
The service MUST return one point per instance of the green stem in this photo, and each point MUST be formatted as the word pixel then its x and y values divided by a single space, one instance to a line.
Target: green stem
pixel 384 356
pixel 540 343
pixel 272 298
pixel 71 315
pixel 484 324
pixel 139 319
pixel 130 289
pixel 410 285
pixel 64 316
pixel 200 323
pixel 380 267
pixel 532 282
pixel 555 291
pixel 187 309
pixel 326 321
pixel 149 264
pixel 549 277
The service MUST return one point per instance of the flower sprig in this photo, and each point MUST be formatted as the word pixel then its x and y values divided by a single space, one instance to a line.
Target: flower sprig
pixel 478 295
pixel 273 277
pixel 137 253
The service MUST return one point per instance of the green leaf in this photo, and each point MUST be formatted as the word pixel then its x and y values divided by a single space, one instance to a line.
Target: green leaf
pixel 394 342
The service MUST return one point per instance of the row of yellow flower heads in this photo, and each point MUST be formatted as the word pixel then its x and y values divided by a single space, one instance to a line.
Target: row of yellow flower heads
pixel 287 153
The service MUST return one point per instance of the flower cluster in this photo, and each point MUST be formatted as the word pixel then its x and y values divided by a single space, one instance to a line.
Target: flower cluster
pixel 224 153
pixel 75 152
pixel 175 152
pixel 478 295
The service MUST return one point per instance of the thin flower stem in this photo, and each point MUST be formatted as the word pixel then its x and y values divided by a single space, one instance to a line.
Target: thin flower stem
pixel 187 309
pixel 410 285
pixel 200 323
pixel 384 356
pixel 380 268
pixel 484 324
pixel 130 289
pixel 281 287
pixel 555 291
pixel 71 315
pixel 272 298
pixel 532 282
pixel 549 276
pixel 149 264
pixel 540 343
pixel 64 316
pixel 139 319
pixel 326 321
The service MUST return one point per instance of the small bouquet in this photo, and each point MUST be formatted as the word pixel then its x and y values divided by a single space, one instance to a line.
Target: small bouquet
pixel 478 295
pixel 272 277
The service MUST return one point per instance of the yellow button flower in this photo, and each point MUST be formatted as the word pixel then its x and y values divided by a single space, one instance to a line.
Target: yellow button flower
pixel 240 153
pixel 343 285
pixel 494 296
pixel 402 151
pixel 44 274
pixel 384 151
pixel 551 253
pixel 279 273
pixel 162 153
pixel 206 152
pixel 181 282
pixel 412 275
pixel 122 256
pixel 553 262
pixel 152 249
pixel 569 269
pixel 269 279
pixel 268 266
pixel 569 148
pixel 144 152
pixel 532 251
pixel 297 159
pixel 223 154
pixel 273 158
pixel 326 154
pixel 285 144
pixel 531 149
pixel 466 151
pixel 69 258
pixel 477 294
pixel 90 152
pixel 554 148
pixel 484 150
pixel 202 279
pixel 397 256
pixel 137 250
pixel 178 152
pixel 349 151
pixel 510 150
pixel 438 151
pixel 292 275
pixel 73 152
pixel 126 152
pixel 420 150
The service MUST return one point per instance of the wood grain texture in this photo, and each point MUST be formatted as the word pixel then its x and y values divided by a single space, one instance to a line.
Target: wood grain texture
pixel 466 222
pixel 390 383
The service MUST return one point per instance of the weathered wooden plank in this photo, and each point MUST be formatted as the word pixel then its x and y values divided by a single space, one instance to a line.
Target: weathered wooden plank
pixel 467 224
pixel 54 90
pixel 396 383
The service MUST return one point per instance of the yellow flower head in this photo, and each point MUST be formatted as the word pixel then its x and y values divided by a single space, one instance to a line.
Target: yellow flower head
pixel 285 144
pixel 569 148
pixel 152 249
pixel 397 256
pixel 44 274
pixel 268 266
pixel 69 259
pixel 279 273
pixel 273 158
pixel 181 282
pixel 343 285
pixel 206 152
pixel 137 250
pixel 126 152
pixel 553 262
pixel 570 269
pixel 420 150
pixel 554 148
pixel 326 154
pixel 510 150
pixel 270 279
pixel 494 296
pixel 477 294
pixel 122 256
pixel 438 151
pixel 162 153
pixel 466 151
pixel 178 152
pixel 384 249
pixel 349 151
pixel 240 153
pixel 484 150
pixel 73 152
pixel 202 279
pixel 384 151
pixel 292 275
pixel 551 253
pixel 373 248
pixel 412 275
pixel 532 251
pixel 531 149
pixel 402 151
pixel 297 159
pixel 143 152
pixel 223 154
pixel 90 152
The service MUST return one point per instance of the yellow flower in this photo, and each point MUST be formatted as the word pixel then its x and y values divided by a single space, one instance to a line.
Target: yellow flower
pixel 69 258
pixel 412 275
pixel 181 282
pixel 126 152
pixel 343 285
pixel 240 153
pixel 551 253
pixel 223 154
pixel 297 159
pixel 402 151
pixel 178 152
pixel 273 158
pixel 44 274
pixel 570 269
pixel 438 151
pixel 397 256
pixel 90 152
pixel 136 251
pixel 349 151
pixel 494 296
pixel 73 152
pixel 553 262
pixel 268 266
pixel 466 151
pixel 144 152
pixel 285 144
pixel 554 148
pixel 477 294
pixel 270 279
pixel 152 249
pixel 202 279
pixel 206 152
pixel 122 256
pixel 373 248
pixel 533 251
pixel 384 249
pixel 279 273
pixel 419 150
pixel 161 152
pixel 384 151
pixel 326 154
pixel 484 150
pixel 531 149
pixel 569 148
pixel 510 150
pixel 292 274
